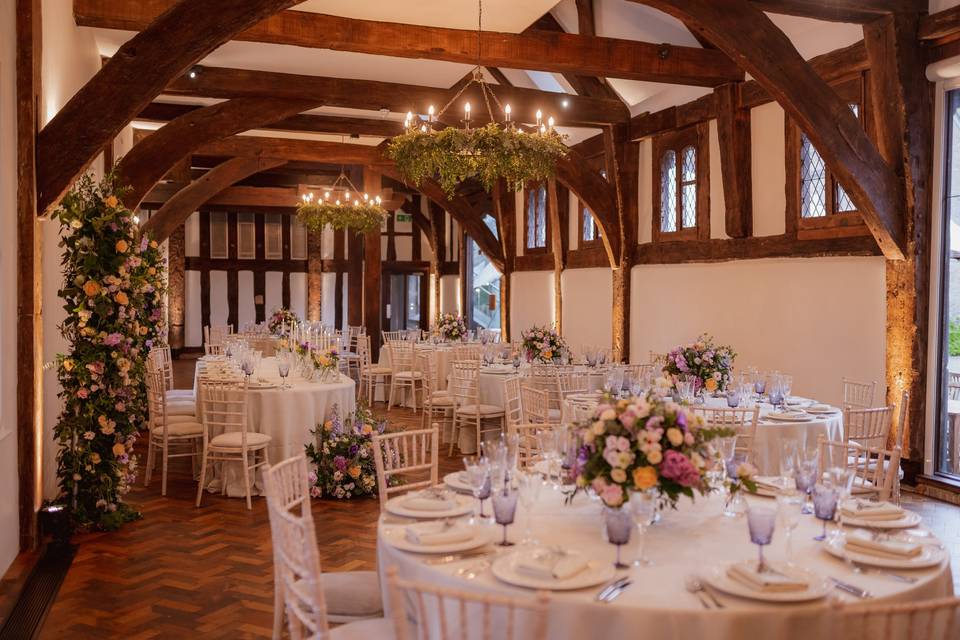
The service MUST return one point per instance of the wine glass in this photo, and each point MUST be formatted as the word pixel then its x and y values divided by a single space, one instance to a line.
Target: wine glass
pixel 530 484
pixel 283 367
pixel 643 508
pixel 775 389
pixel 759 383
pixel 761 522
pixel 824 506
pixel 788 460
pixel 478 475
pixel 504 510
pixel 805 476
pixel 247 365
pixel 617 524
pixel 789 503
pixel 547 441
pixel 786 385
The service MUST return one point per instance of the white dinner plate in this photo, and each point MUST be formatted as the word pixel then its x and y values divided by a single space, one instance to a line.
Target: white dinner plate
pixel 465 505
pixel 818 586
pixel 458 482
pixel 260 386
pixel 787 417
pixel 822 412
pixel 596 572
pixel 931 556
pixel 909 519
pixel 395 535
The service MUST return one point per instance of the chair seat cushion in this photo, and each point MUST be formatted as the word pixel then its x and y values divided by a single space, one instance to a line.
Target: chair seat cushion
pixel 234 440
pixel 352 593
pixel 181 408
pixel 378 371
pixel 482 409
pixel 174 395
pixel 378 628
pixel 179 428
pixel 441 401
pixel 553 415
pixel 408 375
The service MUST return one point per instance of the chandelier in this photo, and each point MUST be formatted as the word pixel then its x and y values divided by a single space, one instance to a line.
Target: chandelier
pixel 341 206
pixel 430 148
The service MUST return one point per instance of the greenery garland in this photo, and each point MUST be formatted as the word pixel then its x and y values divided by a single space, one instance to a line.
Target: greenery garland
pixel 486 153
pixel 359 217
pixel 112 293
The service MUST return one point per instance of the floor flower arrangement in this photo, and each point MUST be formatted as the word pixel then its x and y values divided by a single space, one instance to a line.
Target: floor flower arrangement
pixel 343 456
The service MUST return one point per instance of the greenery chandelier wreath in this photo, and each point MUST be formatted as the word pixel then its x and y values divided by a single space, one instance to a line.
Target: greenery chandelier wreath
pixel 342 206
pixel 519 154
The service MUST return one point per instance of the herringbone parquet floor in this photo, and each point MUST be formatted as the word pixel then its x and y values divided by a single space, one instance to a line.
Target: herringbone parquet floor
pixel 184 572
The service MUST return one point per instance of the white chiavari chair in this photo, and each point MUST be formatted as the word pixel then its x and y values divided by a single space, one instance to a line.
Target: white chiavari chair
pixel 393 336
pixel 569 380
pixel 512 405
pixel 404 376
pixel 858 395
pixel 174 436
pixel 226 436
pixel 868 427
pixel 528 445
pixel 302 588
pixel 875 470
pixel 349 595
pixel 470 412
pixel 743 421
pixel 371 375
pixel 438 404
pixel 489 616
pixel 924 620
pixel 467 351
pixel 162 358
pixel 410 455
pixel 578 410
pixel 535 403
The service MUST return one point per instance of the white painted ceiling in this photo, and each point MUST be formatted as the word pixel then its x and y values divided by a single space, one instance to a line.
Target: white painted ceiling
pixel 614 18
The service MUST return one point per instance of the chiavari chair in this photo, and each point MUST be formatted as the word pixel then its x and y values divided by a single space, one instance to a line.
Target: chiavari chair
pixel 410 455
pixel 371 375
pixel 868 427
pixel 743 421
pixel 875 470
pixel 437 403
pixel 512 404
pixel 858 395
pixel 174 436
pixel 470 412
pixel 404 375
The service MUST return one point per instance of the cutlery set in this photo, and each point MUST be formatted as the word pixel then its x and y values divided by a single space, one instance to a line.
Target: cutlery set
pixel 612 590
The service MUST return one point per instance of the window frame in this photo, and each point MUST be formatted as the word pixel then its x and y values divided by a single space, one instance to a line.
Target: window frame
pixel 696 136
pixel 526 218
pixel 835 223
pixel 582 241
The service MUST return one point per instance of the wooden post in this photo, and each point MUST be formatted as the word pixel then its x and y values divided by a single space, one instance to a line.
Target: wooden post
pixel 733 133
pixel 462 269
pixel 622 160
pixel 355 251
pixel 314 275
pixel 372 183
pixel 504 208
pixel 176 300
pixel 557 232
pixel 436 215
pixel 900 96
pixel 29 310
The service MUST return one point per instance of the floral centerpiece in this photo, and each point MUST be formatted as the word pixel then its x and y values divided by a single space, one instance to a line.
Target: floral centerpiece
pixel 709 364
pixel 543 344
pixel 451 327
pixel 282 321
pixel 112 295
pixel 644 443
pixel 343 456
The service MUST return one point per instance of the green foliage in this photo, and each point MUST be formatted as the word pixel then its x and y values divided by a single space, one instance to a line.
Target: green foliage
pixel 955 337
pixel 360 217
pixel 112 293
pixel 487 153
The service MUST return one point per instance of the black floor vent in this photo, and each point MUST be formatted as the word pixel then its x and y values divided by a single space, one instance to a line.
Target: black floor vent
pixel 39 591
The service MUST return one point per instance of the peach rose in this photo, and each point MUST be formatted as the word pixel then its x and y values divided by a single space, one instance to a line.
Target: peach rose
pixel 121 298
pixel 91 288
pixel 644 477
pixel 122 246
pixel 119 449
pixel 112 202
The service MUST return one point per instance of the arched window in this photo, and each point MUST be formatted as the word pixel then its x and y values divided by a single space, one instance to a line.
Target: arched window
pixel 681 206
pixel 668 192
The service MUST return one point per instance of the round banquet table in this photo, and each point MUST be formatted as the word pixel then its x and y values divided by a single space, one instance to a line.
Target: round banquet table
pixel 287 416
pixel 657 605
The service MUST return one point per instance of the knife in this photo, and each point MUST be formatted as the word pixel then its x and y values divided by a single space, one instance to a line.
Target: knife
pixel 613 586
pixel 454 557
pixel 610 597
pixel 851 589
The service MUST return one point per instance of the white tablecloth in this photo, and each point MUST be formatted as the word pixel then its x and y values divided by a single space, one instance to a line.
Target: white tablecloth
pixel 288 416
pixel 657 606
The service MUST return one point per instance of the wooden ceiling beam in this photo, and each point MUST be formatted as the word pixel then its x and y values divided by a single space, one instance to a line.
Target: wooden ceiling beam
pixel 217 82
pixel 135 75
pixel 312 122
pixel 152 157
pixel 279 198
pixel 859 11
pixel 178 208
pixel 770 57
pixel 293 149
pixel 539 51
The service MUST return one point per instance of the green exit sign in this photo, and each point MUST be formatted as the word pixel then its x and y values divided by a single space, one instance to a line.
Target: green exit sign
pixel 404 217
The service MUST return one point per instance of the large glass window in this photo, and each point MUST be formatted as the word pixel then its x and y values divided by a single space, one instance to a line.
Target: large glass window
pixel 535 220
pixel 484 284
pixel 681 176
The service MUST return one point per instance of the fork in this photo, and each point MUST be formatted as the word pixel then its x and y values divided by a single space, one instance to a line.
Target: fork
pixel 615 593
pixel 694 586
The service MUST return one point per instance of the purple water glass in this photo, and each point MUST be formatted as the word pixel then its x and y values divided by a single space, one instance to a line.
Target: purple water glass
pixel 761 522
pixel 618 523
pixel 504 509
pixel 733 399
pixel 824 506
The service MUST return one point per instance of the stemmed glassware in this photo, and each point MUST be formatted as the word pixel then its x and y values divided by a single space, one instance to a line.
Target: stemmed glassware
pixel 788 460
pixel 789 502
pixel 479 477
pixel 759 383
pixel 547 441
pixel 504 509
pixel 805 475
pixel 643 508
pixel 761 522
pixel 775 390
pixel 824 506
pixel 530 484
pixel 283 367
pixel 617 524
pixel 248 366
pixel 733 398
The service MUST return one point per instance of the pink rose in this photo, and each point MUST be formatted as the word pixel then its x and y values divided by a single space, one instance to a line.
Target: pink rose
pixel 612 495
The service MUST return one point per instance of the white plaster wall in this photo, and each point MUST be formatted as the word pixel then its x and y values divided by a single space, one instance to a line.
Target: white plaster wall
pixel 449 294
pixel 70 58
pixel 531 300
pixel 192 321
pixel 246 310
pixel 718 215
pixel 587 307
pixel 273 291
pixel 298 294
pixel 219 306
pixel 328 299
pixel 769 170
pixel 9 484
pixel 818 319
pixel 191 236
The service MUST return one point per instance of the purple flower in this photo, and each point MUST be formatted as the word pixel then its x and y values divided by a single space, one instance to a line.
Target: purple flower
pixel 353 449
pixel 677 467
pixel 340 463
pixel 112 339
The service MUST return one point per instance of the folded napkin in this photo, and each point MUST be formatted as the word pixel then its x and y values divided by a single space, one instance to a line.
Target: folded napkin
pixel 866 510
pixel 769 581
pixel 437 533
pixel 819 406
pixel 430 502
pixel 768 484
pixel 861 541
pixel 550 565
